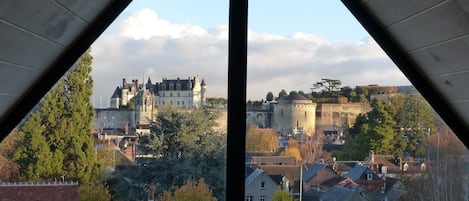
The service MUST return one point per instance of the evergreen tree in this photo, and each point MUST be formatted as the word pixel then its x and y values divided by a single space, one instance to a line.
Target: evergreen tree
pixel 395 126
pixel 57 135
pixel 186 147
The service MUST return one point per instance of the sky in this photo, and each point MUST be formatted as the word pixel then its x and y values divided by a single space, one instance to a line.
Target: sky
pixel 291 45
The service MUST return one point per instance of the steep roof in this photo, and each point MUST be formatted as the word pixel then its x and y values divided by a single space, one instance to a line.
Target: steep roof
pixel 117 93
pixel 312 170
pixel 256 173
pixel 356 172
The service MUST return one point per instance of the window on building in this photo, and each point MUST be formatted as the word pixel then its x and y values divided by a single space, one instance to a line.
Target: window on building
pixel 262 185
pixel 249 198
pixel 262 198
pixel 369 176
pixel 171 94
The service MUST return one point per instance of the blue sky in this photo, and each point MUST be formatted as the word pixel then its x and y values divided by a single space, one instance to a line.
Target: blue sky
pixel 327 18
pixel 291 46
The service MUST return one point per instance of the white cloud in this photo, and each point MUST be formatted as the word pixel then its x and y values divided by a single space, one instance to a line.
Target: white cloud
pixel 143 45
pixel 144 24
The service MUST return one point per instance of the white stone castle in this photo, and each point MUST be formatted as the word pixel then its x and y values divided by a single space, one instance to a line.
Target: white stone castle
pixel 179 93
pixel 134 105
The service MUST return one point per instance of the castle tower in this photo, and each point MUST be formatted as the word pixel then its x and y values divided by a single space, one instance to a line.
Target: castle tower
pixel 116 98
pixel 203 89
pixel 295 114
pixel 144 107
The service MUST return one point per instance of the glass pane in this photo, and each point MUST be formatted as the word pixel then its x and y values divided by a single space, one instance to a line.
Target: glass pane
pixel 330 115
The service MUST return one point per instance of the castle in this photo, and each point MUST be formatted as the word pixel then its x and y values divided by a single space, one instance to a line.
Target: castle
pixel 134 105
pixel 295 114
pixel 179 93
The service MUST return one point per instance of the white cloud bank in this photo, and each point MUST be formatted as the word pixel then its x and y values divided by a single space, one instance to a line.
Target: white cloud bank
pixel 142 45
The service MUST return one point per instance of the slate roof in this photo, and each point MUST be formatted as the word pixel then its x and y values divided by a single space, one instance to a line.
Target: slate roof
pixel 248 171
pixel 203 83
pixel 357 172
pixel 293 96
pixel 185 84
pixel 117 93
pixel 312 170
pixel 344 194
pixel 252 176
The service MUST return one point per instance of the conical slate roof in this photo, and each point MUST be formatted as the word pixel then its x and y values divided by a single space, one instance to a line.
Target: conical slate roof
pixel 117 93
pixel 293 96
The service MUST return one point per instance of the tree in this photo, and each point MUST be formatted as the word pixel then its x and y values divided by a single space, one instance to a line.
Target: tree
pixel 91 192
pixel 361 95
pixel 9 170
pixel 445 175
pixel 292 149
pixel 269 97
pixel 194 191
pixel 58 143
pixel 190 191
pixel 261 140
pixel 326 88
pixel 216 102
pixel 396 126
pixel 185 147
pixel 282 93
pixel 282 195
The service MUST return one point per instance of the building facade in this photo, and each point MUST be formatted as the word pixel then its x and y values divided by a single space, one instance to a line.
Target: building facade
pixel 179 93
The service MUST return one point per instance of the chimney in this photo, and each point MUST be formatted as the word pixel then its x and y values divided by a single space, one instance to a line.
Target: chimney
pixel 371 156
pixel 151 193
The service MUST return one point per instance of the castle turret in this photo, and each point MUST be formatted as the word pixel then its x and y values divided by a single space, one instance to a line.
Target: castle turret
pixel 149 85
pixel 203 89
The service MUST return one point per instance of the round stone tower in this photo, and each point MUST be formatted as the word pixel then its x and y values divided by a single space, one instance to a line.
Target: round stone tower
pixel 295 114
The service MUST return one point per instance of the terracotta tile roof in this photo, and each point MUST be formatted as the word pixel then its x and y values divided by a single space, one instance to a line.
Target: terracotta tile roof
pixel 39 191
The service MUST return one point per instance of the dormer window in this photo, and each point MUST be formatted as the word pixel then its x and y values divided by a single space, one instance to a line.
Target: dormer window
pixel 369 176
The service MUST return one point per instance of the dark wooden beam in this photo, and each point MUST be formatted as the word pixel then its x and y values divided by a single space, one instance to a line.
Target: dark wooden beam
pixel 410 69
pixel 237 70
pixel 71 54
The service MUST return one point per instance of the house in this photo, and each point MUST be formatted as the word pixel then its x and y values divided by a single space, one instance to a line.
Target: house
pixel 345 192
pixel 366 177
pixel 274 160
pixel 290 172
pixel 43 191
pixel 259 185
pixel 316 175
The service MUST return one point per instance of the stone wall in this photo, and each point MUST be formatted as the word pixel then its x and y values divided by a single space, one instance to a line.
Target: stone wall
pixel 338 117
